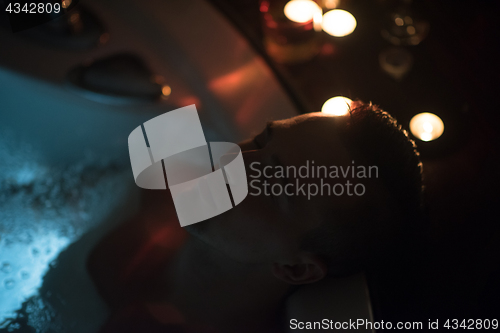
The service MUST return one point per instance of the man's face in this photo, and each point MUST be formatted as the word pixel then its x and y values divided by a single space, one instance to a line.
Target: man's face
pixel 266 228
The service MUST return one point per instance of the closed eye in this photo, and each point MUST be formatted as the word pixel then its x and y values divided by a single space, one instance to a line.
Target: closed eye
pixel 261 140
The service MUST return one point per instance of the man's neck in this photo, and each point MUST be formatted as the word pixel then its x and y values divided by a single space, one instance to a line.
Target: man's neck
pixel 209 287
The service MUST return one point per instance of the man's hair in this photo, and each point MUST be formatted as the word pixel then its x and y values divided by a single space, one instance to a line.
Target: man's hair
pixel 351 240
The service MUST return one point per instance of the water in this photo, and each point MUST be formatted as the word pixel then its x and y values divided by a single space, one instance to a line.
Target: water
pixel 44 212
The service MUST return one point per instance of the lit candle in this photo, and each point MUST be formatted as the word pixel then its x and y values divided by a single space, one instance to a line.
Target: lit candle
pixel 318 20
pixel 338 23
pixel 302 11
pixel 426 126
pixel 337 106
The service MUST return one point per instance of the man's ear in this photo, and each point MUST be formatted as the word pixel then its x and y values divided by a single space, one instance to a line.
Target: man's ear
pixel 308 269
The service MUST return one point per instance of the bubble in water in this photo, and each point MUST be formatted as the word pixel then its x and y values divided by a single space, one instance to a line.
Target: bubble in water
pixel 13 327
pixel 25 237
pixel 25 275
pixel 35 252
pixel 53 264
pixel 9 284
pixel 6 268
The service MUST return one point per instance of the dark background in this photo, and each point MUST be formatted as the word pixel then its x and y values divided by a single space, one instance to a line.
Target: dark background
pixel 456 273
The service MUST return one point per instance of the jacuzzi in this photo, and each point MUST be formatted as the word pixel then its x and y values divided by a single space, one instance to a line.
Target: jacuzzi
pixel 65 177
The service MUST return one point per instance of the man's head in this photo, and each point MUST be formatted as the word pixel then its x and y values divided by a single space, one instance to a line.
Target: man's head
pixel 305 237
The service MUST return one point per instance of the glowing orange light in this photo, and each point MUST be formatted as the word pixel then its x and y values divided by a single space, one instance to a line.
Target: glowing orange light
pixel 166 90
pixel 301 11
pixel 330 4
pixel 426 126
pixel 411 30
pixel 66 3
pixel 339 23
pixel 337 106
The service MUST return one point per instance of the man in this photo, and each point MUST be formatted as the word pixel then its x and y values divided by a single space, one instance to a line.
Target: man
pixel 237 269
